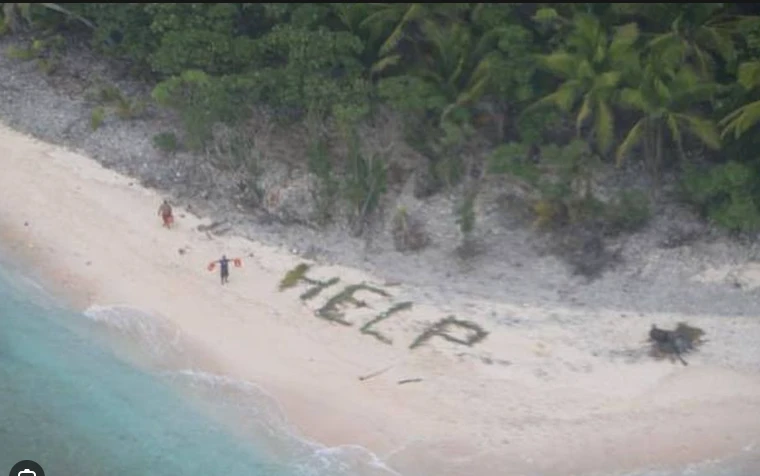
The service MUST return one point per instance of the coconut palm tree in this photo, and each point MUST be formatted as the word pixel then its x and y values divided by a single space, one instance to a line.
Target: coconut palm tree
pixel 457 63
pixel 748 115
pixel 14 13
pixel 592 67
pixel 666 99
pixel 702 32
pixel 391 23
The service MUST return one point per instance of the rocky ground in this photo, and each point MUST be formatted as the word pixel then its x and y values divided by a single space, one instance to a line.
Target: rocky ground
pixel 659 266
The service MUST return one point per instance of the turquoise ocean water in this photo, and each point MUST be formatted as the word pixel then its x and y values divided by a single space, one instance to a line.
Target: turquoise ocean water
pixel 112 392
pixel 115 392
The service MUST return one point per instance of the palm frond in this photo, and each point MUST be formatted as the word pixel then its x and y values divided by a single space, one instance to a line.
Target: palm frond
pixel 563 98
pixel 703 129
pixel 14 12
pixel 608 79
pixel 390 14
pixel 583 113
pixel 632 139
pixel 384 63
pixel 625 36
pixel 560 63
pixel 605 125
pixel 741 120
pixel 715 40
pixel 664 40
pixel 634 99
pixel 60 9
pixel 749 74
pixel 675 133
pixel 704 60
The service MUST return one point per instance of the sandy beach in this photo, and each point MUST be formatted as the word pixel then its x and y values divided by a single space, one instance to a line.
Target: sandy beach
pixel 571 393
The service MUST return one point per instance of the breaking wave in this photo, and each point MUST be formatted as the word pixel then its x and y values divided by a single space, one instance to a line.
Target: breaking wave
pixel 247 410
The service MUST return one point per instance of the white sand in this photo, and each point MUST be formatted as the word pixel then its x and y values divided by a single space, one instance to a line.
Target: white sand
pixel 554 400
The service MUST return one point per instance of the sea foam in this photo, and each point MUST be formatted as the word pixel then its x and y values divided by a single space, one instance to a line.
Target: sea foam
pixel 252 414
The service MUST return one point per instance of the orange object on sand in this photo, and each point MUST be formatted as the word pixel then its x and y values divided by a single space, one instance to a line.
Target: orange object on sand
pixel 212 265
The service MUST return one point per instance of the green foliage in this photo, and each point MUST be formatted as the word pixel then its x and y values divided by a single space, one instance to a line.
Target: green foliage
pixel 593 67
pixel 317 287
pixel 452 64
pixel 466 213
pixel 202 101
pixel 97 116
pixel 310 69
pixel 559 176
pixel 166 142
pixel 320 164
pixel 448 149
pixel 122 30
pixel 110 98
pixel 475 333
pixel 648 81
pixel 331 309
pixel 746 116
pixel 16 15
pixel 197 36
pixel 366 328
pixel 294 276
pixel 366 180
pixel 701 33
pixel 408 233
pixel 727 194
pixel 667 97
pixel 560 179
pixel 628 212
pixel 514 159
pixel 536 125
pixel 46 51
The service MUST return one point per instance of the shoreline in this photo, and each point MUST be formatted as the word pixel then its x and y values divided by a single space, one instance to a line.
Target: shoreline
pixel 96 240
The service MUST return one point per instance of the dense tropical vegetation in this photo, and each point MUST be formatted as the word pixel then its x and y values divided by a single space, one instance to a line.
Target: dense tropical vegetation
pixel 545 92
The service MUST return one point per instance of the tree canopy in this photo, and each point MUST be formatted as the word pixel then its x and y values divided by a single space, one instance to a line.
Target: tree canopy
pixel 671 86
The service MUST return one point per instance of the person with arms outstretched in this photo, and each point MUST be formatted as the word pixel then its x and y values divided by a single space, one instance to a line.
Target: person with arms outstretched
pixel 224 267
pixel 165 212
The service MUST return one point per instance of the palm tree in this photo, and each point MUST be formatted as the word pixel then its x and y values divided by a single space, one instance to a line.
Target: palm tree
pixel 665 98
pixel 592 69
pixel 748 115
pixel 702 32
pixel 457 63
pixel 390 24
pixel 13 13
pixel 352 16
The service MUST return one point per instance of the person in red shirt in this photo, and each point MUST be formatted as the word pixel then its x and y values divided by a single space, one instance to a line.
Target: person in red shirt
pixel 165 212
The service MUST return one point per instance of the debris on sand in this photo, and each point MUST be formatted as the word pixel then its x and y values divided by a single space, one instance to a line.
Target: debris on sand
pixel 674 343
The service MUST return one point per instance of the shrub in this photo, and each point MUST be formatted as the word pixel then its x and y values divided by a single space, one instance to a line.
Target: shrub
pixel 408 231
pixel 727 194
pixel 166 142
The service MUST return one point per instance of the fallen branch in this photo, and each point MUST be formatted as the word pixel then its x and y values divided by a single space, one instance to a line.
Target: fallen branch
pixel 376 373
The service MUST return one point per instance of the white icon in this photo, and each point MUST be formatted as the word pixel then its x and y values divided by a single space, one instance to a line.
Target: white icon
pixel 27 471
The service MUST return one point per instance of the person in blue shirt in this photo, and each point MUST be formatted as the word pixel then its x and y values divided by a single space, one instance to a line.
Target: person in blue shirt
pixel 224 269
pixel 224 266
